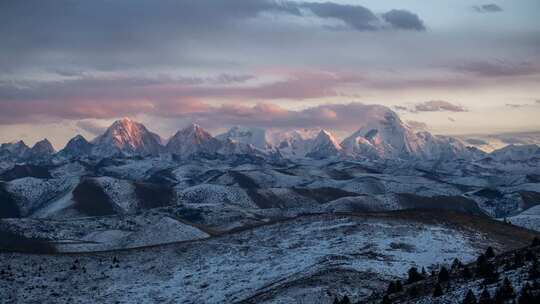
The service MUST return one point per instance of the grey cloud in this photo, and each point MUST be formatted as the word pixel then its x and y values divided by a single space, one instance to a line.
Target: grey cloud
pixel 417 125
pixel 476 141
pixel 90 126
pixel 488 8
pixel 401 108
pixel 402 19
pixel 438 106
pixel 343 117
pixel 515 106
pixel 126 29
pixel 499 68
pixel 356 16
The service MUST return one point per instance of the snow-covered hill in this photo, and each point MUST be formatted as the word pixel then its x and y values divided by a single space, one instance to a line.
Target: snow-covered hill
pixel 310 257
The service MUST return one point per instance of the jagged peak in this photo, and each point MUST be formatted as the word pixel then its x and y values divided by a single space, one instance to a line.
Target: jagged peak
pixel 44 141
pixel 327 136
pixel 78 137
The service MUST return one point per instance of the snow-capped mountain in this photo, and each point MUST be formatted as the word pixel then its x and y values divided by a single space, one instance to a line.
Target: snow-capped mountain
pixel 77 146
pixel 442 147
pixel 42 148
pixel 516 153
pixel 191 140
pixel 128 137
pixel 257 137
pixel 383 135
pixel 229 146
pixel 293 143
pixel 14 150
pixel 324 146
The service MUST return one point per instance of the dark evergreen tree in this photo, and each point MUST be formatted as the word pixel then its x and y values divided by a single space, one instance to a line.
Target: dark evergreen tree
pixel 534 272
pixel 444 276
pixel 413 292
pixel 518 260
pixel 386 300
pixel 336 300
pixel 529 256
pixel 505 292
pixel 414 276
pixel 399 286
pixel 469 298
pixel 525 296
pixel 466 273
pixel 424 273
pixel 345 300
pixel 491 276
pixel 485 297
pixel 485 269
pixel 490 253
pixel 437 292
pixel 391 288
pixel 536 242
pixel 456 264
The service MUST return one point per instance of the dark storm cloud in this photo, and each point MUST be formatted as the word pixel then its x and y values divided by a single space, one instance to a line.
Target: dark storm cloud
pixel 488 8
pixel 402 19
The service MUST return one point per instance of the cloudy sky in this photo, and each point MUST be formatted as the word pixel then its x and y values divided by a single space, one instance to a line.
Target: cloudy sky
pixel 456 66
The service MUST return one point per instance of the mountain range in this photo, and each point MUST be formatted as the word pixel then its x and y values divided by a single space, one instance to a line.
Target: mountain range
pixel 384 136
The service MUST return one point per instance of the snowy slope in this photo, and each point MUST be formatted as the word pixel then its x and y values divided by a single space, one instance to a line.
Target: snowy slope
pixel 264 264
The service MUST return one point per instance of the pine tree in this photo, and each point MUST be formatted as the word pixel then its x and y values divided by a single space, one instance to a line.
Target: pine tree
pixel 518 260
pixel 529 256
pixel 485 298
pixel 535 242
pixel 413 292
pixel 336 300
pixel 414 276
pixel 345 300
pixel 469 298
pixel 444 276
pixel 505 292
pixel 438 291
pixel 534 272
pixel 456 264
pixel 466 273
pixel 490 253
pixel 386 300
pixel 399 286
pixel 485 269
pixel 391 288
pixel 525 296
